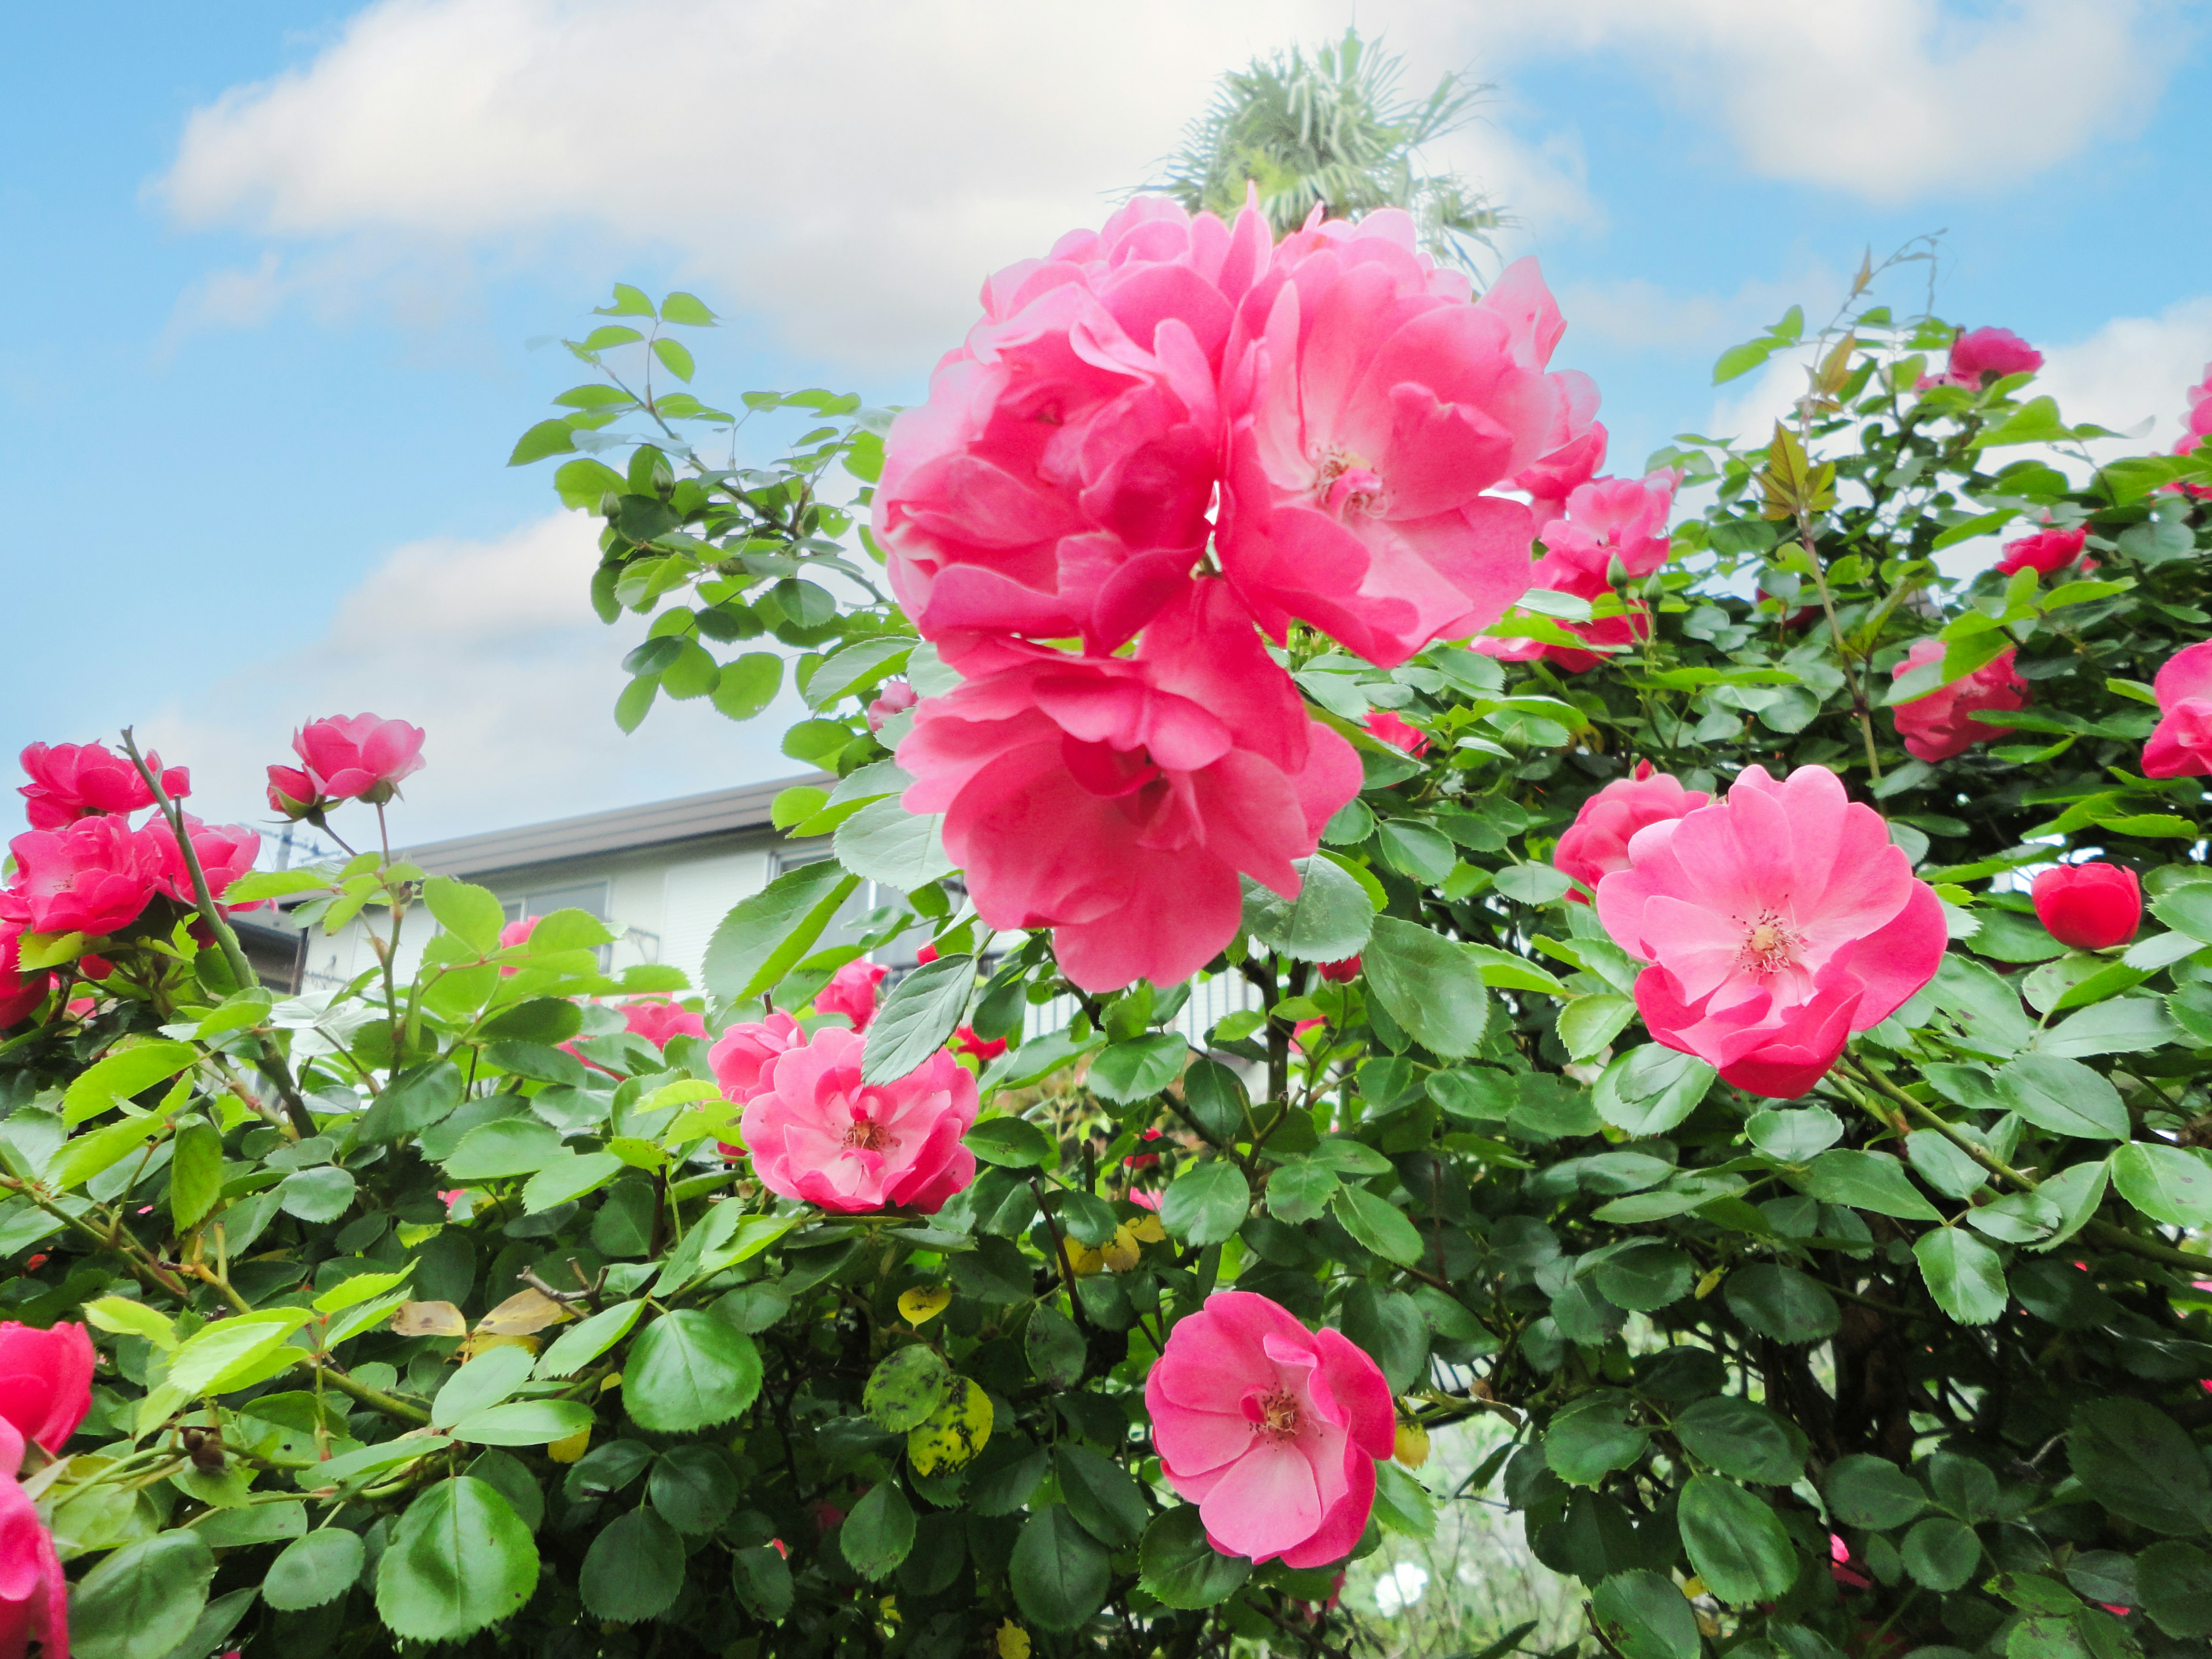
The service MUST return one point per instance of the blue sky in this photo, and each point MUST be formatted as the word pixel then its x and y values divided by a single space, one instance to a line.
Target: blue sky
pixel 278 272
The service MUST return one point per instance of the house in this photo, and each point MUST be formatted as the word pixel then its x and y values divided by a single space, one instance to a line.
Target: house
pixel 661 877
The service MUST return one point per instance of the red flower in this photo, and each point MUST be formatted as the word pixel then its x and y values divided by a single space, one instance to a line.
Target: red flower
pixel 2090 907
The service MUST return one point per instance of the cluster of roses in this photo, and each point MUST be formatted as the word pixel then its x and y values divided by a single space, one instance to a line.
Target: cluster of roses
pixel 360 757
pixel 1334 413
pixel 84 867
pixel 46 1391
pixel 1780 920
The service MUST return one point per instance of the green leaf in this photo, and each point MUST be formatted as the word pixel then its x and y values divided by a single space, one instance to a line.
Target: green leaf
pixel 694 1487
pixel 1138 1068
pixel 1643 1615
pixel 469 913
pixel 1377 1225
pixel 1735 1540
pixel 2035 422
pixel 580 1345
pixel 1590 1022
pixel 1207 1203
pixel 2168 1183
pixel 1299 1191
pixel 500 1150
pixel 854 667
pixel 1430 986
pixel 748 684
pixel 1866 1181
pixel 459 1560
pixel 195 1174
pixel 120 1315
pixel 628 302
pixel 419 1097
pixel 1941 1553
pixel 1177 1565
pixel 688 1371
pixel 1533 883
pixel 1794 1137
pixel 1589 1440
pixel 569 1178
pixel 2064 1096
pixel 1782 1304
pixel 219 1352
pixel 884 842
pixel 314 1571
pixel 121 1075
pixel 524 1422
pixel 1419 851
pixel 634 1570
pixel 2138 1463
pixel 1645 1275
pixel 1735 362
pixel 1873 1493
pixel 1327 921
pixel 143 1600
pixel 764 937
pixel 877 1535
pixel 688 309
pixel 1743 1440
pixel 1055 1348
pixel 676 357
pixel 555 437
pixel 762 1582
pixel 906 1387
pixel 1963 1275
pixel 917 1018
pixel 1650 1088
pixel 1058 1571
pixel 1009 1142
pixel 2176 1580
pixel 1101 1495
pixel 318 1196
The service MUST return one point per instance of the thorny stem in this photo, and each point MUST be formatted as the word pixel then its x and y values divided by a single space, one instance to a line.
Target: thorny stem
pixel 1059 1255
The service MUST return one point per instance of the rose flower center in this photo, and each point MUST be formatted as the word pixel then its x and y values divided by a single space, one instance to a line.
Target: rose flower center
pixel 1345 483
pixel 1769 946
pixel 1275 1415
pixel 866 1135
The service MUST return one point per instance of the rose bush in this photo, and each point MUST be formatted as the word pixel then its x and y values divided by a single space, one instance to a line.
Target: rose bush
pixel 1740 1031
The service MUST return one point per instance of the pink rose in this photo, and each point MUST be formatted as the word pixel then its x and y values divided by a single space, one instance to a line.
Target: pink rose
pixel 71 781
pixel 21 994
pixel 2047 552
pixel 92 876
pixel 984 1049
pixel 1370 408
pixel 657 1019
pixel 226 852
pixel 1383 724
pixel 1339 973
pixel 852 992
pixel 1271 1429
pixel 292 794
pixel 1939 726
pixel 1058 479
pixel 740 1057
pixel 1117 799
pixel 1551 480
pixel 1611 522
pixel 1144 1199
pixel 1559 574
pixel 818 1135
pixel 2180 745
pixel 514 933
pixel 893 697
pixel 2090 906
pixel 1596 843
pixel 358 757
pixel 1990 353
pixel 33 1594
pixel 46 1381
pixel 1777 920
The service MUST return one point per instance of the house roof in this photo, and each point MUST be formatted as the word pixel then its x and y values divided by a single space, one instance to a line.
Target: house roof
pixel 627 828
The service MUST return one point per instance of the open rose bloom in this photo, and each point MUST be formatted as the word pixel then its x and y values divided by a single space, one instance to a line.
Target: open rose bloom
pixel 72 781
pixel 1940 724
pixel 1274 1431
pixel 817 1134
pixel 46 1381
pixel 34 1593
pixel 2180 745
pixel 1778 922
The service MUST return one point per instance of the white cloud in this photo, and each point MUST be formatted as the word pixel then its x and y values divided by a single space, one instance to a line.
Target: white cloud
pixel 490 646
pixel 2133 369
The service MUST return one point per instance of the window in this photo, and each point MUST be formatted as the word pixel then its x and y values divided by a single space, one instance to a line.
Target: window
pixel 589 896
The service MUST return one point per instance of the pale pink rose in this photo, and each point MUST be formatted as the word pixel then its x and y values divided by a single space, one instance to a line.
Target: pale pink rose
pixel 741 1054
pixel 226 852
pixel 1371 407
pixel 1115 800
pixel 1777 920
pixel 1274 1431
pixel 91 876
pixel 657 1019
pixel 1057 480
pixel 71 781
pixel 893 697
pixel 2047 552
pixel 1615 521
pixel 21 994
pixel 33 1594
pixel 1387 725
pixel 514 933
pixel 818 1135
pixel 358 757
pixel 1559 474
pixel 1559 574
pixel 1940 724
pixel 2180 745
pixel 852 992
pixel 1596 843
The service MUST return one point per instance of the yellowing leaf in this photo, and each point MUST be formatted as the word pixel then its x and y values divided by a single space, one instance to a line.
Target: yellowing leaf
pixel 919 1305
pixel 1146 1230
pixel 954 1432
pixel 1120 1253
pixel 572 1448
pixel 1013 1641
pixel 526 1311
pixel 429 1319
pixel 1411 1448
pixel 483 1341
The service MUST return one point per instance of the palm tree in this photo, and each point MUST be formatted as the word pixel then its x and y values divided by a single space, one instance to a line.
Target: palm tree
pixel 1333 128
